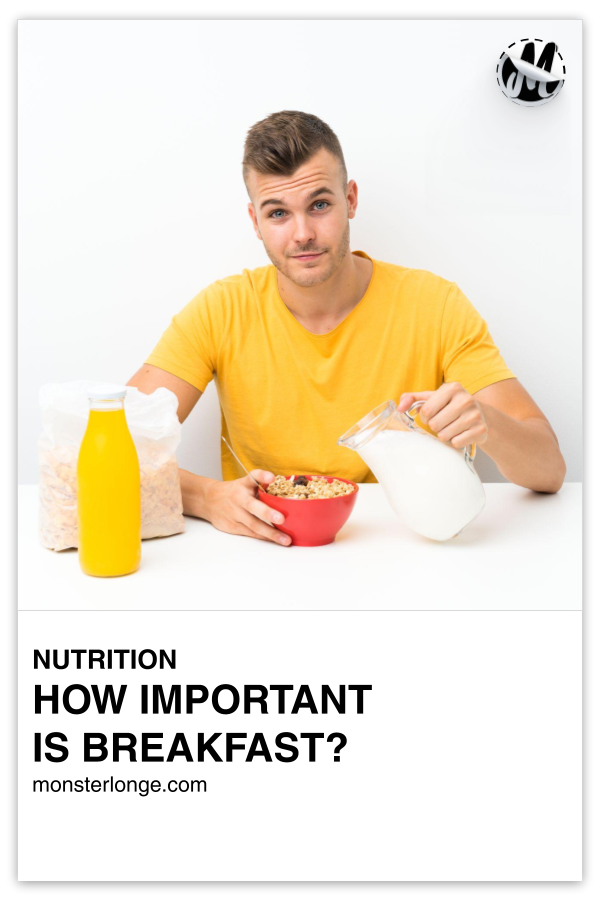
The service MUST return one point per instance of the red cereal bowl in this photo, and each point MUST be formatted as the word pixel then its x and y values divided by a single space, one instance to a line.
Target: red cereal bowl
pixel 312 523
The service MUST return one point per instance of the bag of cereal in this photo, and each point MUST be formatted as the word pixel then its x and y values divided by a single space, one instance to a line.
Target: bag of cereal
pixel 156 431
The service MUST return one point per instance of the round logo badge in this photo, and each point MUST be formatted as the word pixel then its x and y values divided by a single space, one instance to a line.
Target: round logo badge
pixel 531 71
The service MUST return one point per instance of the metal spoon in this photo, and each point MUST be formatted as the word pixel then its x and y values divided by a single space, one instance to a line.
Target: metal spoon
pixel 234 454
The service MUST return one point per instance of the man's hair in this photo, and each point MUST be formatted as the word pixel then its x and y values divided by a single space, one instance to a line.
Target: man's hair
pixel 281 143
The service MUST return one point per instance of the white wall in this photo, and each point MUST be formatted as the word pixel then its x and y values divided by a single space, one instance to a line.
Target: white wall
pixel 131 197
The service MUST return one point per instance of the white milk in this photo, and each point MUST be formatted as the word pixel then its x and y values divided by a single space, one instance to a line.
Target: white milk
pixel 428 484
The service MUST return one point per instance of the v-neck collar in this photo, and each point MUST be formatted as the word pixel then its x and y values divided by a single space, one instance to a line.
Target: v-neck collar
pixel 361 302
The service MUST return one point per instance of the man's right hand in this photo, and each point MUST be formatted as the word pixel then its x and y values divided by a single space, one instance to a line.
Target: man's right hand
pixel 234 507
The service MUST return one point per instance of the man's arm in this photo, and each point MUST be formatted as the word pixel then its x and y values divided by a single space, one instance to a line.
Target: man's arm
pixel 149 378
pixel 231 506
pixel 505 422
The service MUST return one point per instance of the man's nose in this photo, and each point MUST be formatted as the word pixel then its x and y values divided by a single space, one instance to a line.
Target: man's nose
pixel 304 231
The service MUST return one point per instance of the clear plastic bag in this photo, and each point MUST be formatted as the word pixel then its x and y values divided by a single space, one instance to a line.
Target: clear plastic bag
pixel 156 431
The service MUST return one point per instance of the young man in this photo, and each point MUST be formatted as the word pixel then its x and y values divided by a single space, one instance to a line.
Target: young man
pixel 302 349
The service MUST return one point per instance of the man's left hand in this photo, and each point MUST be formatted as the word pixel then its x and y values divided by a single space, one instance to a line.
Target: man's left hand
pixel 452 413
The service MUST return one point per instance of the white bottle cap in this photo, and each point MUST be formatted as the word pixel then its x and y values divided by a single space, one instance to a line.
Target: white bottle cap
pixel 97 392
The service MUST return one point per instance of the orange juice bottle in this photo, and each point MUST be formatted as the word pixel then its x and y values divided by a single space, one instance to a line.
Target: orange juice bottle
pixel 108 490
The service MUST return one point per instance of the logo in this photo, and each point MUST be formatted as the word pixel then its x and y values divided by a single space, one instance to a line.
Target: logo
pixel 531 71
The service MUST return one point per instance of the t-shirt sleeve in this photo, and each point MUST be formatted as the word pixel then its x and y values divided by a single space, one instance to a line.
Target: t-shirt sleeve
pixel 190 345
pixel 469 354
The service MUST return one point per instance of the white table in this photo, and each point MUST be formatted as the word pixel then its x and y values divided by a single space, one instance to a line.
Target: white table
pixel 522 553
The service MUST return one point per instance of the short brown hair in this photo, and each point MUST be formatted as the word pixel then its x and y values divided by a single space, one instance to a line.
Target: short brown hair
pixel 281 143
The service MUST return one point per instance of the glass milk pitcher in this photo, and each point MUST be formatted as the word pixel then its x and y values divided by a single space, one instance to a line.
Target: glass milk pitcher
pixel 430 485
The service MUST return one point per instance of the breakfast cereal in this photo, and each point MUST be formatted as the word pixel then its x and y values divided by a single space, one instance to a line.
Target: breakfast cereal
pixel 314 487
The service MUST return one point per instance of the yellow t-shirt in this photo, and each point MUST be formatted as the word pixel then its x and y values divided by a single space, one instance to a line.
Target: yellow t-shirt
pixel 287 395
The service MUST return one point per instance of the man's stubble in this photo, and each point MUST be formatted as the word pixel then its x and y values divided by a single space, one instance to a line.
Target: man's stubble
pixel 311 277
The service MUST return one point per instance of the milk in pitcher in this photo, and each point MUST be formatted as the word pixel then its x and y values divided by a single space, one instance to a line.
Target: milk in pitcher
pixel 420 475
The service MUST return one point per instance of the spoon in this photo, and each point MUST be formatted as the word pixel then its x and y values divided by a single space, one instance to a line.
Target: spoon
pixel 234 454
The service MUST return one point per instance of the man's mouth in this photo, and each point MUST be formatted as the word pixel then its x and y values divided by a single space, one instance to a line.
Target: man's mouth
pixel 308 255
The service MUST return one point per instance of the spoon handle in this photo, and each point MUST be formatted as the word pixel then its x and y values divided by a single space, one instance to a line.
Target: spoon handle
pixel 235 456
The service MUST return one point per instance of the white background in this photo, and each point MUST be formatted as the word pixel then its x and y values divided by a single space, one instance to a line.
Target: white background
pixel 465 765
pixel 131 197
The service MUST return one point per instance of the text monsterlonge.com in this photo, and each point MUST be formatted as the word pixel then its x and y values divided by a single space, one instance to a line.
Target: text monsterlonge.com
pixel 140 786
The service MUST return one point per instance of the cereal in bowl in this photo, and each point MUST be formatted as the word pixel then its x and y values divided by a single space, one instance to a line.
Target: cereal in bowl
pixel 301 487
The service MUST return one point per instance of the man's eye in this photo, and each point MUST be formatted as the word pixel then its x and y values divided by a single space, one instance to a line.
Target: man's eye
pixel 319 205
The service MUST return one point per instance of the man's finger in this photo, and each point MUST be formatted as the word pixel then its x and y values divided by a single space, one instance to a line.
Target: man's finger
pixel 267 532
pixel 436 402
pixel 242 531
pixel 407 400
pixel 451 430
pixel 445 418
pixel 264 512
pixel 466 438
pixel 262 477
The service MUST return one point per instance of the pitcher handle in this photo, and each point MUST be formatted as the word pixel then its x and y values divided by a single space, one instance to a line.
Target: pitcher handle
pixel 470 452
pixel 410 414
pixel 412 411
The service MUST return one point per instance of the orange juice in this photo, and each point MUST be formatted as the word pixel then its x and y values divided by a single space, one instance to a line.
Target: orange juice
pixel 108 491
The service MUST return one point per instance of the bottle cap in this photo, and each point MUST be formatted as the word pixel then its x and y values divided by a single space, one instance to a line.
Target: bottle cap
pixel 97 392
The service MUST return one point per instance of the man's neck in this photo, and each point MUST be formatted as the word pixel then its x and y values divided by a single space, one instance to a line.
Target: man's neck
pixel 322 307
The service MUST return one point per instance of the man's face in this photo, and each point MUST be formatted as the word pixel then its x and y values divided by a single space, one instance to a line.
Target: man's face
pixel 302 219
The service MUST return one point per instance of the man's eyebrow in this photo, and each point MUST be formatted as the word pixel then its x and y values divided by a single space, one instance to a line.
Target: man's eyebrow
pixel 310 197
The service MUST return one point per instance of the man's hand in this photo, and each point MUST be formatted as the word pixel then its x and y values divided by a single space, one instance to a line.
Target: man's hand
pixel 452 413
pixel 234 507
pixel 504 418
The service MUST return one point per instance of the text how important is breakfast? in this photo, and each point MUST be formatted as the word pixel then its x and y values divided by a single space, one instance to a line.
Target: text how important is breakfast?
pixel 78 698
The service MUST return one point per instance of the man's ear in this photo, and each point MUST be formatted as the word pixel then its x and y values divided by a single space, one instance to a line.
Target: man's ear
pixel 252 215
pixel 352 198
